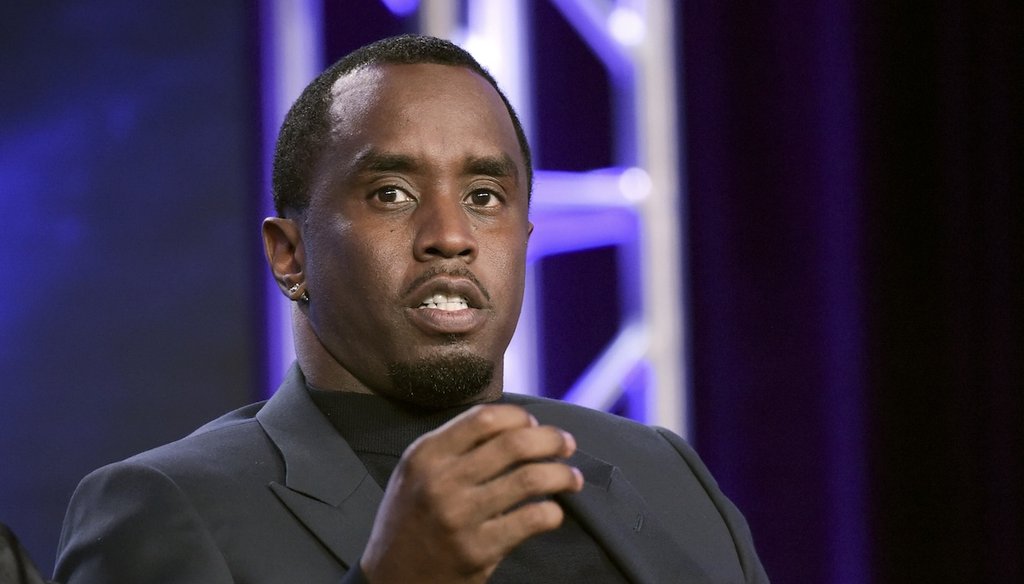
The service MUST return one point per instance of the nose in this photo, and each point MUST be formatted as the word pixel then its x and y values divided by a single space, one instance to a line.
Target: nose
pixel 444 231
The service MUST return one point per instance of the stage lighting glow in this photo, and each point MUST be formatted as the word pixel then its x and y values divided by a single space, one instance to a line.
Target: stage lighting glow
pixel 635 184
pixel 402 7
pixel 485 51
pixel 626 26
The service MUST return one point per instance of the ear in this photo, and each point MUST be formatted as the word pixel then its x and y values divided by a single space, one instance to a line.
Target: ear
pixel 286 255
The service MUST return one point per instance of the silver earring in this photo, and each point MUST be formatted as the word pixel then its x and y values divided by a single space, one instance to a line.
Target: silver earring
pixel 295 288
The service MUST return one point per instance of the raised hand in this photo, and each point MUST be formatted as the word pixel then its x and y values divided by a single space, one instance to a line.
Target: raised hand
pixel 463 496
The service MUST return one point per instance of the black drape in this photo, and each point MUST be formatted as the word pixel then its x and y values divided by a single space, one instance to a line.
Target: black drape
pixel 947 293
pixel 857 279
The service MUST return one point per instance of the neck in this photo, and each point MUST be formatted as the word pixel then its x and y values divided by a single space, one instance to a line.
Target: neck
pixel 319 367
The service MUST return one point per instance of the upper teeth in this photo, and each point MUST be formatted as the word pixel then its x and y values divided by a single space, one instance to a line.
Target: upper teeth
pixel 442 302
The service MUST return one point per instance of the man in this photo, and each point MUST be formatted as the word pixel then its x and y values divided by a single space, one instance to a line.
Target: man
pixel 389 454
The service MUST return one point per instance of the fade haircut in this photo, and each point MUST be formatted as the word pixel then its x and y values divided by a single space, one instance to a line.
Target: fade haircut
pixel 307 126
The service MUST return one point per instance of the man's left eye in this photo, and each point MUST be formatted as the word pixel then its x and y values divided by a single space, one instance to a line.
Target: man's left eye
pixel 482 199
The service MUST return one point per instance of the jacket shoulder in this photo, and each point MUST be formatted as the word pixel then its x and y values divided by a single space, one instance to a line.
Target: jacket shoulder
pixel 593 427
pixel 223 447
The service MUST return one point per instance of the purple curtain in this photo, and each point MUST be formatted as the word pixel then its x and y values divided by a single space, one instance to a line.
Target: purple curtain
pixel 857 279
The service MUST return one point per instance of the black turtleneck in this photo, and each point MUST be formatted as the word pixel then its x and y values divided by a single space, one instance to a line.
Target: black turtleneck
pixel 379 430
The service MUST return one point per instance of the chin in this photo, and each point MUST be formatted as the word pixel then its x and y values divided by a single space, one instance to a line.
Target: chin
pixel 441 381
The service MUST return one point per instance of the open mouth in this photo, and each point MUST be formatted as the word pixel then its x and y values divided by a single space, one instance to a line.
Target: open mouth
pixel 448 307
pixel 445 302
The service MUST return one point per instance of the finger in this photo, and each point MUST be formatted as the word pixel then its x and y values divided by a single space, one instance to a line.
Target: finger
pixel 476 425
pixel 515 447
pixel 505 532
pixel 528 483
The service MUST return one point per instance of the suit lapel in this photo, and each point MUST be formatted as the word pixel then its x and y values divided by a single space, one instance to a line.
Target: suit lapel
pixel 618 518
pixel 326 486
pixel 329 491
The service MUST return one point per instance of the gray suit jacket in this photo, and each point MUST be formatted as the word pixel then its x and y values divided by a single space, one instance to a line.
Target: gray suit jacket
pixel 272 493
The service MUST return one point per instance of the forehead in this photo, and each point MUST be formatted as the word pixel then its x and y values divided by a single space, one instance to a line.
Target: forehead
pixel 435 109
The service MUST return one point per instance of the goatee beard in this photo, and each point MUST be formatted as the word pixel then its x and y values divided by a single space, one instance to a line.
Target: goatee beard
pixel 441 382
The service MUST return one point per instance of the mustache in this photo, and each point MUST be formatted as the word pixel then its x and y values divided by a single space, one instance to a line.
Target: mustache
pixel 454 272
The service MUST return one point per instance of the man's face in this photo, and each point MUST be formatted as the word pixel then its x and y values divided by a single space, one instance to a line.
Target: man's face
pixel 415 236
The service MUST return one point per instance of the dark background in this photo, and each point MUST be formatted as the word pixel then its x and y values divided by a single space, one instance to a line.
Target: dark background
pixel 855 209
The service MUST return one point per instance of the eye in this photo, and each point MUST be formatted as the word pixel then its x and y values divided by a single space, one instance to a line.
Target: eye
pixel 483 198
pixel 391 194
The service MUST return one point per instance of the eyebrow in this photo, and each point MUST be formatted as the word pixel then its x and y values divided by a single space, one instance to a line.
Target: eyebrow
pixel 374 161
pixel 494 166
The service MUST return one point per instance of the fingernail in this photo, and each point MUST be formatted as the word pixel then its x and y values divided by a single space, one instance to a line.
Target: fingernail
pixel 579 475
pixel 533 421
pixel 570 442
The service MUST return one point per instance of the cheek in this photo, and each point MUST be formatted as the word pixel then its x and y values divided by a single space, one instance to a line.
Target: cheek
pixel 335 263
pixel 351 256
pixel 508 266
pixel 371 268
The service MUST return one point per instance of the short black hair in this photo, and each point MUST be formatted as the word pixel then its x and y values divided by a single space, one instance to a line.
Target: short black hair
pixel 306 128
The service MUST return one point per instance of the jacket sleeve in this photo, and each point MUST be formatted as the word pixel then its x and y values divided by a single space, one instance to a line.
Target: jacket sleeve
pixel 734 520
pixel 129 522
